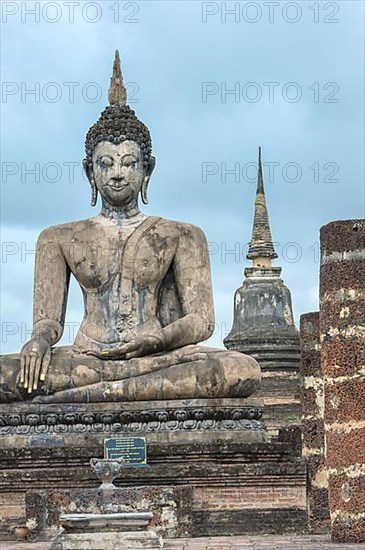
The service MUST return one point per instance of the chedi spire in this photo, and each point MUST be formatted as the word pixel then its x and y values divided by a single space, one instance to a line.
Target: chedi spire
pixel 261 249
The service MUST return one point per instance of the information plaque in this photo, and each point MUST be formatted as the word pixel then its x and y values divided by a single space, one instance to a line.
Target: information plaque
pixel 133 450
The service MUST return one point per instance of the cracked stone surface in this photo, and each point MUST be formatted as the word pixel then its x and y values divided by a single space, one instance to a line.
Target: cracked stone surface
pixel 268 542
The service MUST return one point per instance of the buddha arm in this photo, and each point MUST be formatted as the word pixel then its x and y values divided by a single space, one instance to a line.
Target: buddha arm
pixel 193 279
pixel 51 281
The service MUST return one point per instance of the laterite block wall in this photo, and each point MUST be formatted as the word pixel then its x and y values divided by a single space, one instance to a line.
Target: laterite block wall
pixel 312 401
pixel 342 333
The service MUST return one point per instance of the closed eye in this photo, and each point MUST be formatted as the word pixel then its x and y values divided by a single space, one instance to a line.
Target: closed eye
pixel 129 162
pixel 105 162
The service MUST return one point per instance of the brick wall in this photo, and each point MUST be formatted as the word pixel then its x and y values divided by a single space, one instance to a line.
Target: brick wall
pixel 12 513
pixel 312 399
pixel 238 498
pixel 342 330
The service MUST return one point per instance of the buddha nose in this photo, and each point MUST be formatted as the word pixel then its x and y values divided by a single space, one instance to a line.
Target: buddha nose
pixel 118 171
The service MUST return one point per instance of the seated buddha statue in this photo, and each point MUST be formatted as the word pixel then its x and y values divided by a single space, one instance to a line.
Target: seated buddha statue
pixel 146 286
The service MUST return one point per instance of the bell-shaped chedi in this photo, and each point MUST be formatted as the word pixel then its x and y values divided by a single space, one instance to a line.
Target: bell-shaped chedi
pixel 263 324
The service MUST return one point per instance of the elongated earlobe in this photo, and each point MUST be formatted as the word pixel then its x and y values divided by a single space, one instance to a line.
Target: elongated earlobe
pixel 94 194
pixel 151 165
pixel 89 175
pixel 144 191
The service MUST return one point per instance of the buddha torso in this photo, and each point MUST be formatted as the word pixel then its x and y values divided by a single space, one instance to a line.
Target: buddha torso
pixel 122 269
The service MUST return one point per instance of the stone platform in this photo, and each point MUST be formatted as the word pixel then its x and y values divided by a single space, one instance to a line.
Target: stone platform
pixel 38 425
pixel 210 468
pixel 261 542
pixel 127 531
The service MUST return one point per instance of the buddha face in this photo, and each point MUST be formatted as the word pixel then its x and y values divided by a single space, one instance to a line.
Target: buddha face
pixel 118 172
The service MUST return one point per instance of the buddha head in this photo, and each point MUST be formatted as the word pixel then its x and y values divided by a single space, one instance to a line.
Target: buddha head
pixel 118 148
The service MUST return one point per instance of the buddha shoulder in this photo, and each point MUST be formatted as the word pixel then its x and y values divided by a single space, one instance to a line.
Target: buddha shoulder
pixel 78 230
pixel 91 229
pixel 182 231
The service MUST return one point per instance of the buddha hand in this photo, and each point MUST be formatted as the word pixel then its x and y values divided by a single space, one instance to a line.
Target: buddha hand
pixel 139 347
pixel 34 362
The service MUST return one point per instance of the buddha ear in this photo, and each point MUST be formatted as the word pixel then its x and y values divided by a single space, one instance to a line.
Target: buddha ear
pixel 146 180
pixel 90 176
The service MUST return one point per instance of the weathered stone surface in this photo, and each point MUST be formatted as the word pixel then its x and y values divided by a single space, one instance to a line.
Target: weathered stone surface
pixel 263 325
pixel 234 473
pixel 342 326
pixel 345 445
pixel 252 522
pixel 349 358
pixel 312 399
pixel 117 521
pixel 147 291
pixel 106 469
pixel 191 444
pixel 261 249
pixel 243 542
pixel 173 421
pixel 339 401
pixel 171 507
pixel 264 329
pixel 107 540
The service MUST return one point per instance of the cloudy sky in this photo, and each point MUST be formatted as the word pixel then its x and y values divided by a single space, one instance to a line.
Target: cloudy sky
pixel 213 81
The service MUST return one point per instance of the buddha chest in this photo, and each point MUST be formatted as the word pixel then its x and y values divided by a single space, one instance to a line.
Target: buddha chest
pixel 97 260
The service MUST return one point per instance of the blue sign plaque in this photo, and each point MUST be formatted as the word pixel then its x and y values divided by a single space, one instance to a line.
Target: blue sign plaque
pixel 133 450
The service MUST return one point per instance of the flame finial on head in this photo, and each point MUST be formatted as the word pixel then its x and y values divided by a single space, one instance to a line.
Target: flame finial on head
pixel 118 123
pixel 117 94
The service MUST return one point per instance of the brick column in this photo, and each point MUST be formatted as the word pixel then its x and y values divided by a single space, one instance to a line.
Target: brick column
pixel 312 401
pixel 342 327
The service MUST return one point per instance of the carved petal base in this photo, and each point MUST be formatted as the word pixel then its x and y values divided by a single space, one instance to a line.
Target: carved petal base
pixel 72 424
